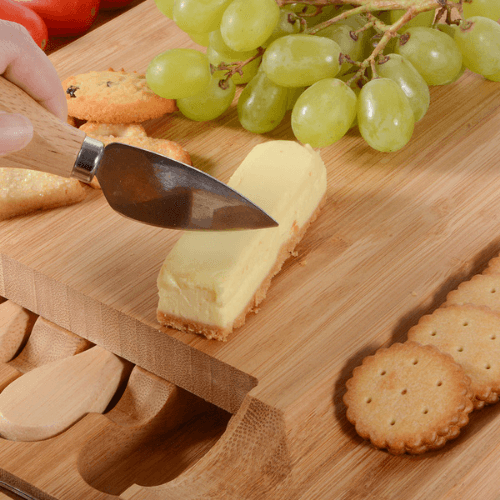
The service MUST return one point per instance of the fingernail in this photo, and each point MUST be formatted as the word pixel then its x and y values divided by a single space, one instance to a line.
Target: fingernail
pixel 16 131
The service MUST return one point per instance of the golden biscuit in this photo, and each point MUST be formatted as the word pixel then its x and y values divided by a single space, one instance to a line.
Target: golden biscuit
pixel 160 146
pixel 94 129
pixel 471 335
pixel 114 97
pixel 480 290
pixel 24 191
pixel 408 398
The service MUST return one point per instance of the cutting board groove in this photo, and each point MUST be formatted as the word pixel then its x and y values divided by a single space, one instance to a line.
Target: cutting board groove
pixel 398 233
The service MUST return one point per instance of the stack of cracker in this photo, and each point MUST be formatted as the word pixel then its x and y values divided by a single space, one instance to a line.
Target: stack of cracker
pixel 415 396
pixel 112 106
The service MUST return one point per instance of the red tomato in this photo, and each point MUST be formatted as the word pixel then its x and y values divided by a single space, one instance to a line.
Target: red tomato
pixel 12 11
pixel 65 17
pixel 114 4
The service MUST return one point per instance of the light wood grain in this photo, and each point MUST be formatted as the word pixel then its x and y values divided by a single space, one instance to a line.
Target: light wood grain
pixel 15 326
pixel 49 399
pixel 55 145
pixel 47 343
pixel 152 433
pixel 399 232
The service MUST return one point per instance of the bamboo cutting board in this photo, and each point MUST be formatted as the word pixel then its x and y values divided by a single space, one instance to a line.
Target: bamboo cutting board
pixel 398 232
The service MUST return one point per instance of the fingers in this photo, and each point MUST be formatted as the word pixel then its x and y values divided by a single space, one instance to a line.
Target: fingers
pixel 16 131
pixel 25 64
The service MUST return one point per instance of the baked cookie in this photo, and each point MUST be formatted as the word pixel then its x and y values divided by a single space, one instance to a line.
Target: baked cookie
pixel 23 191
pixel 471 335
pixel 94 129
pixel 114 97
pixel 161 146
pixel 480 290
pixel 408 398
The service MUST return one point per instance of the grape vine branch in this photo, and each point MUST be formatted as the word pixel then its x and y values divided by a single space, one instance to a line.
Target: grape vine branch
pixel 448 11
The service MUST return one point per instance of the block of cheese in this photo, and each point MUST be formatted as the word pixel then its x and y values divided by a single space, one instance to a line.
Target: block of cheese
pixel 211 280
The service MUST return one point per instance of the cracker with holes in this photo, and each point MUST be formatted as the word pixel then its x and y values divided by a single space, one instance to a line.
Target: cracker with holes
pixel 493 266
pixel 114 97
pixel 471 335
pixel 408 398
pixel 480 290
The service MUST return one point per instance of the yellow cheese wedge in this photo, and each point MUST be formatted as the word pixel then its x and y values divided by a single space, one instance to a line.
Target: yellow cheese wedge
pixel 211 280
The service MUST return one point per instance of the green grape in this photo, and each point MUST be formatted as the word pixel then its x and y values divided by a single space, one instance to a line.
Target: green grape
pixel 434 54
pixel 199 16
pixel 166 7
pixel 217 43
pixel 357 22
pixel 478 39
pixel 385 117
pixel 326 13
pixel 247 24
pixel 178 73
pixel 218 52
pixel 355 88
pixel 410 81
pixel 200 38
pixel 300 8
pixel 424 19
pixel 341 34
pixel 293 94
pixel 284 27
pixel 324 113
pixel 484 8
pixel 248 71
pixel 449 29
pixel 493 78
pixel 210 102
pixel 301 60
pixel 262 104
pixel 390 48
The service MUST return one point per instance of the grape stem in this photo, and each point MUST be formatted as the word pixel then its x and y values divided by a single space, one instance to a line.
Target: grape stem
pixel 389 32
pixel 333 20
pixel 443 8
pixel 233 68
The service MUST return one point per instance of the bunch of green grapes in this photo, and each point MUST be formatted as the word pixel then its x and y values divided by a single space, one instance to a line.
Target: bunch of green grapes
pixel 335 66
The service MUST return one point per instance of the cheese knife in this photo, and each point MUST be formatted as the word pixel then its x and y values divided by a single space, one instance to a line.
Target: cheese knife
pixel 137 183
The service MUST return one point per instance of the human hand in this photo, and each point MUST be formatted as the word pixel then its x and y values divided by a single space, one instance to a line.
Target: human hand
pixel 25 64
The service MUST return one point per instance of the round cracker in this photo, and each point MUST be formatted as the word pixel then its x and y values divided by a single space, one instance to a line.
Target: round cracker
pixel 471 335
pixel 408 398
pixel 480 290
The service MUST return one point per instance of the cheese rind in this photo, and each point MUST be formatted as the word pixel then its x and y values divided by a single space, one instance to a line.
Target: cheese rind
pixel 209 279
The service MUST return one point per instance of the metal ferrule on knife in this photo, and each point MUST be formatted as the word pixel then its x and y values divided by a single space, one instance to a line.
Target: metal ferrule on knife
pixel 88 159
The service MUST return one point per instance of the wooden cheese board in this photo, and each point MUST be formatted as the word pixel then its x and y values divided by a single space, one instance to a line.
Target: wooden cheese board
pixel 397 233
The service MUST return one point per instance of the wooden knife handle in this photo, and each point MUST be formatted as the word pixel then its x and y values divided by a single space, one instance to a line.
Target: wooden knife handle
pixel 55 144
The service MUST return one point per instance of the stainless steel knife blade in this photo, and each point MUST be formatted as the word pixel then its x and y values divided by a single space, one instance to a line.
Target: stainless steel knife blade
pixel 160 191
